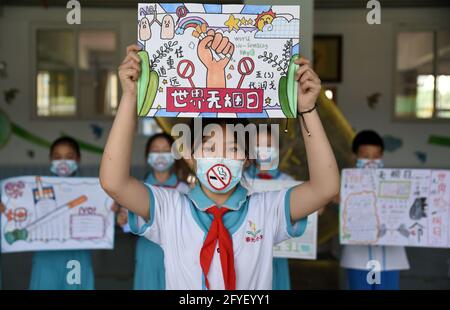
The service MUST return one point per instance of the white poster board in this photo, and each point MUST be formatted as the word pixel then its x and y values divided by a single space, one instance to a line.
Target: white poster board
pixel 404 207
pixel 304 247
pixel 218 60
pixel 53 213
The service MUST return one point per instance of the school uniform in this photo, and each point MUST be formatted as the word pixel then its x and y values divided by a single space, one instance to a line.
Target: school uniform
pixel 392 259
pixel 281 277
pixel 149 271
pixel 247 227
pixel 49 270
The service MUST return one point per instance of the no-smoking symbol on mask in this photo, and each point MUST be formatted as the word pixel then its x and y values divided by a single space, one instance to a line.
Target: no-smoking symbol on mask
pixel 219 176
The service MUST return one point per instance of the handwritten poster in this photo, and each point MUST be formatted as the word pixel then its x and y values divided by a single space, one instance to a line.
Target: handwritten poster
pixel 405 207
pixel 303 247
pixel 53 213
pixel 214 60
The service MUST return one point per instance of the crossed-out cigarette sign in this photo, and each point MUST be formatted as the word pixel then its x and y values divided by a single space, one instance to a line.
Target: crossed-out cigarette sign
pixel 219 176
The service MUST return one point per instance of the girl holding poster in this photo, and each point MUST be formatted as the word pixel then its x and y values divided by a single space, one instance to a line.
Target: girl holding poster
pixel 149 271
pixel 358 260
pixel 218 210
pixel 49 268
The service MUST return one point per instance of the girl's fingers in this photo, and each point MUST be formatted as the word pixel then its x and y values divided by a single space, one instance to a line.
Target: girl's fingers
pixel 135 66
pixel 308 85
pixel 304 66
pixel 133 48
pixel 130 74
pixel 132 56
pixel 309 75
pixel 306 76
pixel 301 71
pixel 130 65
pixel 301 61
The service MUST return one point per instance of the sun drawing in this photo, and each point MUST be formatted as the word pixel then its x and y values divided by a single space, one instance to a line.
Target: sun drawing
pixel 264 18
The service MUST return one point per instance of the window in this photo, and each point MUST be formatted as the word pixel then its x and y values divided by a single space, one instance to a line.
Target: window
pixel 423 75
pixel 76 73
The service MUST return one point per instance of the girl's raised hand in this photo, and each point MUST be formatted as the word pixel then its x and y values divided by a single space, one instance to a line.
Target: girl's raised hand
pixel 309 85
pixel 129 71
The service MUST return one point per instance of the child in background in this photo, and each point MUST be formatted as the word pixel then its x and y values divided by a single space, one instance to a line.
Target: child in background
pixel 267 156
pixel 49 271
pixel 149 270
pixel 266 168
pixel 189 227
pixel 368 148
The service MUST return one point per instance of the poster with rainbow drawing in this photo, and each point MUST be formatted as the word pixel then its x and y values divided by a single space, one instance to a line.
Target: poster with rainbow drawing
pixel 217 60
pixel 397 207
pixel 55 213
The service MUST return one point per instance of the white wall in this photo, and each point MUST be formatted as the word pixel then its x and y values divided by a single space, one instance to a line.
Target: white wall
pixel 15 45
pixel 368 62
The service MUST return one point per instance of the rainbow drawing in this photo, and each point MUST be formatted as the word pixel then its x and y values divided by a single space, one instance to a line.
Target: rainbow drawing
pixel 189 22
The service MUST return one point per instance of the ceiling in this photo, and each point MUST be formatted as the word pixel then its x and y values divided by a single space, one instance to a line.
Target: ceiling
pixel 320 4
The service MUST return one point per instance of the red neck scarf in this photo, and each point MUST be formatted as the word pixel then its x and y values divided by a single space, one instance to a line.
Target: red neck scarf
pixel 264 176
pixel 218 232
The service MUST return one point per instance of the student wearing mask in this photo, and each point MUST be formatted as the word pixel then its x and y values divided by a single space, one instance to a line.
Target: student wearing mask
pixel 368 148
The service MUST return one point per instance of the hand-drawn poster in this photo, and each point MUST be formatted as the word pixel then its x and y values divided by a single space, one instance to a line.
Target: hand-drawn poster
pixel 54 213
pixel 214 60
pixel 404 207
pixel 303 247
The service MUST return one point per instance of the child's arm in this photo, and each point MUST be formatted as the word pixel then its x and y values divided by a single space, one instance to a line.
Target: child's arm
pixel 115 175
pixel 323 184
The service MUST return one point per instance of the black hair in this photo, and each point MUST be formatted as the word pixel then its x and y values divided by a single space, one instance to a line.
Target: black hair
pixel 197 137
pixel 152 139
pixel 367 137
pixel 67 141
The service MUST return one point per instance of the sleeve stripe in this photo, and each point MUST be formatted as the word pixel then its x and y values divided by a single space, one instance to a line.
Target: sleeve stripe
pixel 135 221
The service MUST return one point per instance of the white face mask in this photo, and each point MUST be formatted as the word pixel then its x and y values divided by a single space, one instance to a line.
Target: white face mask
pixel 369 163
pixel 160 161
pixel 63 167
pixel 219 175
pixel 267 157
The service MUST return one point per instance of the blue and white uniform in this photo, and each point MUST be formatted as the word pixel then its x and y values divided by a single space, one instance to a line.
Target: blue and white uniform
pixel 281 277
pixel 149 271
pixel 49 270
pixel 179 224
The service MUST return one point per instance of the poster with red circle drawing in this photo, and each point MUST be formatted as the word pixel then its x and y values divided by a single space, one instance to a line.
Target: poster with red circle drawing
pixel 217 60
